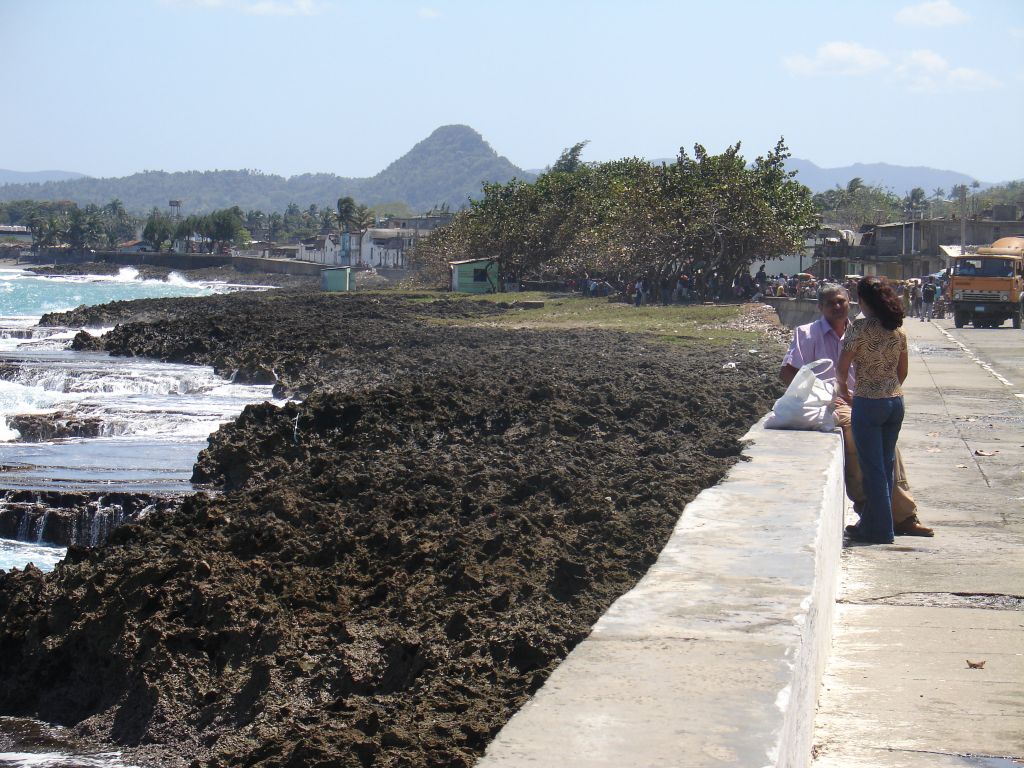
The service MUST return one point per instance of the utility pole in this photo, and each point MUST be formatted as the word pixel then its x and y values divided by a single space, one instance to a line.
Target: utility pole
pixel 963 219
pixel 903 229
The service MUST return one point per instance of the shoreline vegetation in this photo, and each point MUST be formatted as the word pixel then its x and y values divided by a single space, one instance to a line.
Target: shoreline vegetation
pixel 384 570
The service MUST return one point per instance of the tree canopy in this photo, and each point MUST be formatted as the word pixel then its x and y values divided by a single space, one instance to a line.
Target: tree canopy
pixel 857 203
pixel 626 218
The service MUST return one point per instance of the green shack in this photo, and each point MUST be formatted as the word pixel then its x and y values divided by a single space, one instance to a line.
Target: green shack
pixel 337 279
pixel 474 275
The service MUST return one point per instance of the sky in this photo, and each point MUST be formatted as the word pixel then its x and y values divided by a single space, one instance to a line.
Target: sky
pixel 114 87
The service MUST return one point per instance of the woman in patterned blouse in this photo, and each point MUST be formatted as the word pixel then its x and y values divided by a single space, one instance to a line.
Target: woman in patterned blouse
pixel 878 348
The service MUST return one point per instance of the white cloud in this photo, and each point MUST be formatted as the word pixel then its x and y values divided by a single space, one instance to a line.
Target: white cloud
pixel 428 13
pixel 919 70
pixel 928 72
pixel 1017 33
pixel 837 58
pixel 934 13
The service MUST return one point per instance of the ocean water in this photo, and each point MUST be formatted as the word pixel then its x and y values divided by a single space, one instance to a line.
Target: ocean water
pixel 153 417
pixel 26 295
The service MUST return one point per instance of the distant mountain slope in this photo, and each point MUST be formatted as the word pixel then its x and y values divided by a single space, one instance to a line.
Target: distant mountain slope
pixel 898 178
pixel 449 167
pixel 30 177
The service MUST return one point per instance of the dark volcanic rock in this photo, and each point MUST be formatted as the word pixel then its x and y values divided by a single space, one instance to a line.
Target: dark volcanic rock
pixel 86 342
pixel 399 560
pixel 72 518
pixel 39 427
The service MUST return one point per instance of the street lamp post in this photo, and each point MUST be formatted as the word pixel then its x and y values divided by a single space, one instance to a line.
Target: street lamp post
pixel 903 229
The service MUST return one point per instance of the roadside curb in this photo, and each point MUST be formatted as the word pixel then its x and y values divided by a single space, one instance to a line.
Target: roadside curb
pixel 714 658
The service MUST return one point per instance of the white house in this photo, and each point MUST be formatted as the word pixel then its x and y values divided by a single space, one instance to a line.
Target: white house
pixel 324 249
pixel 387 247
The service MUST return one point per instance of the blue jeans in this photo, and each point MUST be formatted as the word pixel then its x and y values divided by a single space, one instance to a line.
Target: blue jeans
pixel 876 426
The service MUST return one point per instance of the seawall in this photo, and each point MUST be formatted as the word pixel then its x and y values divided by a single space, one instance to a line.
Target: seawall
pixel 715 657
pixel 794 312
pixel 275 266
pixel 183 261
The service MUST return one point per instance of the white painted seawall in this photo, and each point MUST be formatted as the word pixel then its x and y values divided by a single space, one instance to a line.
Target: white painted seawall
pixel 714 658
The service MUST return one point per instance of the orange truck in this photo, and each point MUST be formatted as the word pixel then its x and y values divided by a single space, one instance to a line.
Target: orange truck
pixel 987 287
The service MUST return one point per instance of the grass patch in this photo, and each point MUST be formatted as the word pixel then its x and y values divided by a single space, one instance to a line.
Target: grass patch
pixel 673 324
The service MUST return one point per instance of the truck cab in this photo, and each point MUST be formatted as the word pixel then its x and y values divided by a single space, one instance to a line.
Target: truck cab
pixel 987 287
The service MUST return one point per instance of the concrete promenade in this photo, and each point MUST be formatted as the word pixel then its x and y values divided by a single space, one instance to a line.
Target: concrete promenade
pixel 897 690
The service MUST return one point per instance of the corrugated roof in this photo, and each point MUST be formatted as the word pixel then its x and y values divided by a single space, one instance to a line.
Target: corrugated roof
pixel 470 261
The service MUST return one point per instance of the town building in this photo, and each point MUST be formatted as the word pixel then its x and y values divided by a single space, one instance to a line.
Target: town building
pixel 14 233
pixel 425 223
pixel 333 249
pixel 134 246
pixel 387 247
pixel 474 275
pixel 905 249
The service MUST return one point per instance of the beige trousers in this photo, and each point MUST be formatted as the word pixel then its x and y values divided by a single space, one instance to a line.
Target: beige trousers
pixel 903 504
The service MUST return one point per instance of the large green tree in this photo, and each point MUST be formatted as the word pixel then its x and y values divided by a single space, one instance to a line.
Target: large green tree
pixel 158 229
pixel 708 213
pixel 858 203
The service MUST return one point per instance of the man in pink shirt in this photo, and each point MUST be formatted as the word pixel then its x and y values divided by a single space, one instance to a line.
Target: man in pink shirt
pixel 824 339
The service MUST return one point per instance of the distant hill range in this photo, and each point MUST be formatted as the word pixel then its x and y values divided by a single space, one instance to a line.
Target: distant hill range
pixel 37 177
pixel 448 167
pixel 899 179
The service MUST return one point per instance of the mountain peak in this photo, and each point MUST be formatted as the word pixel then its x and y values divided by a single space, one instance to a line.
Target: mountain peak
pixel 450 165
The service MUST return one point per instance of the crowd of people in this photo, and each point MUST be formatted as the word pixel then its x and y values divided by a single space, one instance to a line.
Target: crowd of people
pixel 920 297
pixel 697 286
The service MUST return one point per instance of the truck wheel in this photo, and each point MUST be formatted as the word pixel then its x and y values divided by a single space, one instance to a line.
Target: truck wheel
pixel 958 320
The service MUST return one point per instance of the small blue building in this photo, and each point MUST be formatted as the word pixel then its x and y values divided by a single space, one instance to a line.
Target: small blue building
pixel 474 275
pixel 337 279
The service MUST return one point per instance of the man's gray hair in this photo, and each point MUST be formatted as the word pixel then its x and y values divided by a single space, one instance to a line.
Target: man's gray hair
pixel 831 289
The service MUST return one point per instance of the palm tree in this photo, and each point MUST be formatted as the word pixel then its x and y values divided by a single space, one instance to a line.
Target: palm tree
pixel 363 218
pixel 915 200
pixel 255 222
pixel 83 227
pixel 346 212
pixel 275 223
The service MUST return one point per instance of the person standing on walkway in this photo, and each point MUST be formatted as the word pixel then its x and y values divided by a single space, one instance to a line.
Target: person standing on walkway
pixel 928 299
pixel 878 347
pixel 824 339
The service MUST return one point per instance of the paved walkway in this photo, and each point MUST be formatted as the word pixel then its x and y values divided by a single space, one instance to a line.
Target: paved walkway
pixel 898 690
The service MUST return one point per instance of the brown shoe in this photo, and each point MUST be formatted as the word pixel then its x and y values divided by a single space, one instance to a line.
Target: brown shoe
pixel 912 527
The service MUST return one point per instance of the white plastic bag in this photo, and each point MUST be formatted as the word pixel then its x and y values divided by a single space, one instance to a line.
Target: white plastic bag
pixel 806 401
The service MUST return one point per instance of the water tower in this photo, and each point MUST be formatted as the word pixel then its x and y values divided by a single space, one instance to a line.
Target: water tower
pixel 176 207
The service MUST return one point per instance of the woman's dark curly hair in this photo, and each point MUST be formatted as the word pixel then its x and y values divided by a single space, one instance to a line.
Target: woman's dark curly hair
pixel 877 293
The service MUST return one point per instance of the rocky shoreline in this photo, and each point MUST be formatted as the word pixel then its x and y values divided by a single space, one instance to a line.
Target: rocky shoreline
pixel 69 519
pixel 386 570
